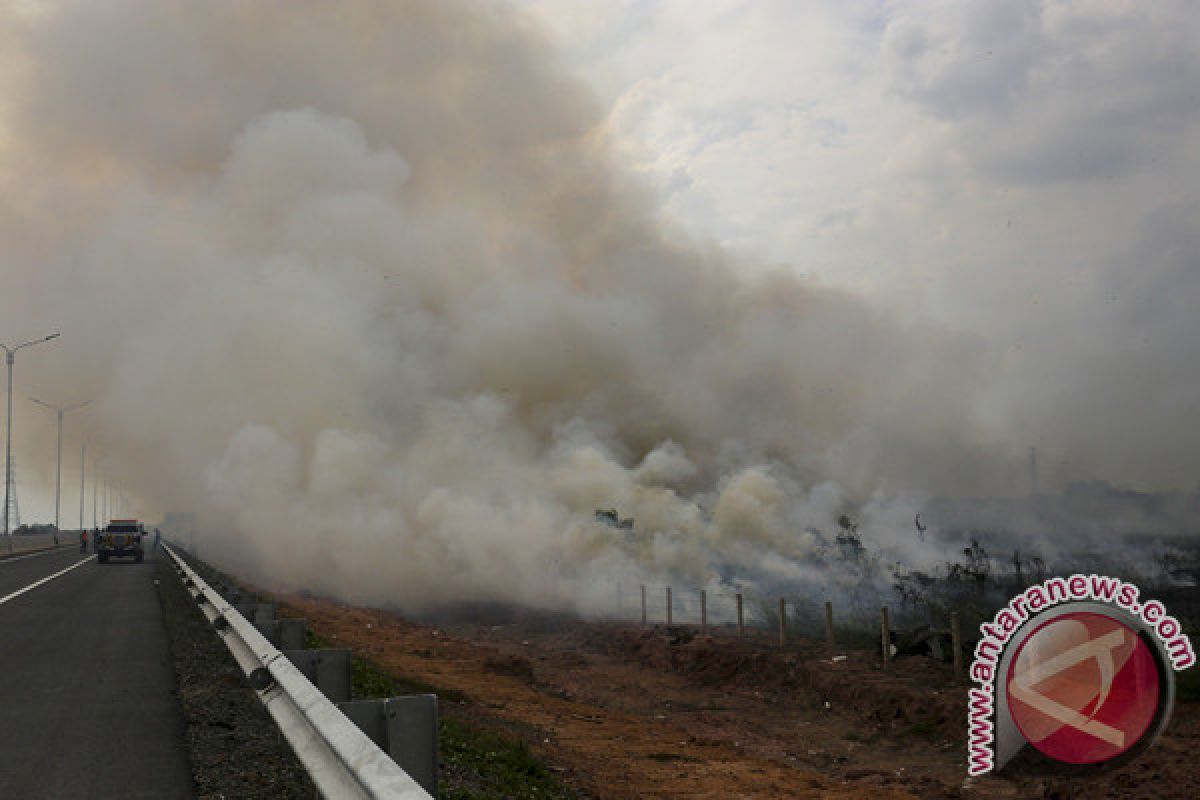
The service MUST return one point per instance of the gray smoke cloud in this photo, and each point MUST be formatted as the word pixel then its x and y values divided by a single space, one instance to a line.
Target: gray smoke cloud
pixel 364 283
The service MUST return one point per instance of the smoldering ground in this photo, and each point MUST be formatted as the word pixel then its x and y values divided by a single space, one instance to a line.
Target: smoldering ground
pixel 365 283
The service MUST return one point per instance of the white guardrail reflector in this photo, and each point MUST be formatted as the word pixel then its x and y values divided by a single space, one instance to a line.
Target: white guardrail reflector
pixel 341 760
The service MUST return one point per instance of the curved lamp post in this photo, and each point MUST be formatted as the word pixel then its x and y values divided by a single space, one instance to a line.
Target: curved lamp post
pixel 10 356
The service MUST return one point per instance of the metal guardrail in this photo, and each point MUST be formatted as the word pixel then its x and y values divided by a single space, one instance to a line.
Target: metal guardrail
pixel 341 760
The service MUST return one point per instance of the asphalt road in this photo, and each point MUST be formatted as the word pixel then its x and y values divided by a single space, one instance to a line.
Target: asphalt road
pixel 87 708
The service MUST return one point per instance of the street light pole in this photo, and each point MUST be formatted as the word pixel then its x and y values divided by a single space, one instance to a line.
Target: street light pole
pixel 59 412
pixel 10 357
pixel 58 479
pixel 82 490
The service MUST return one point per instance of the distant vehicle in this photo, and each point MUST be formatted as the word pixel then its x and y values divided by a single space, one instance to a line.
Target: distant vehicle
pixel 121 538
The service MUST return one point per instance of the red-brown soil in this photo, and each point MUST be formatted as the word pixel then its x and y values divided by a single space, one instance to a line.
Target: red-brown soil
pixel 625 712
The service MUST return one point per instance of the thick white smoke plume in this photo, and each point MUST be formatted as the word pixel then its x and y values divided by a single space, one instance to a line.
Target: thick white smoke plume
pixel 361 280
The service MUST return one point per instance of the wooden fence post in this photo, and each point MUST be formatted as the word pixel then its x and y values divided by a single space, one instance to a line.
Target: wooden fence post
pixel 643 605
pixel 703 611
pixel 829 623
pixel 956 644
pixel 885 632
pixel 741 621
pixel 668 605
pixel 782 622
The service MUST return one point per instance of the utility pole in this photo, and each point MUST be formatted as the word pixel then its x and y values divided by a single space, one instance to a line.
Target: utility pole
pixel 59 412
pixel 82 489
pixel 10 357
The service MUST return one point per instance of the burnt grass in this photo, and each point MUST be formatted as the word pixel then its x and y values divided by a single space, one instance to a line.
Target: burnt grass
pixel 234 746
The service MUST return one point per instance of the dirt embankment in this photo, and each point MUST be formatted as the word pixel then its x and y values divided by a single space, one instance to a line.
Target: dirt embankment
pixel 625 712
pixel 629 713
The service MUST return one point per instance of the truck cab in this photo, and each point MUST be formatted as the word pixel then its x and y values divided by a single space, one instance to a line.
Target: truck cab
pixel 121 538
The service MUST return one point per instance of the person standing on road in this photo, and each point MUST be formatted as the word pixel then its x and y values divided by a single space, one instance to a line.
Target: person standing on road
pixel 83 541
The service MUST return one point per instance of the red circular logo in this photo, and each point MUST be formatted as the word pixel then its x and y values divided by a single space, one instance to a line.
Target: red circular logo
pixel 1083 688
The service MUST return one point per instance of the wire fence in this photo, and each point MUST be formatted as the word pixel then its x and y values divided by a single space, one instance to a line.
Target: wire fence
pixel 944 624
pixel 783 620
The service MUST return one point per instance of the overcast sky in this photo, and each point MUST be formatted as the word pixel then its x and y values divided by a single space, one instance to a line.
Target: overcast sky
pixel 1025 171
pixel 898 145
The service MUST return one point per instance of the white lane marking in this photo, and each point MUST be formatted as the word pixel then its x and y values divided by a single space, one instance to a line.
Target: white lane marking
pixel 4 561
pixel 46 579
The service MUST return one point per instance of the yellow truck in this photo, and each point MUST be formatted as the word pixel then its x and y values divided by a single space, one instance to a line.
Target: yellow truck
pixel 121 538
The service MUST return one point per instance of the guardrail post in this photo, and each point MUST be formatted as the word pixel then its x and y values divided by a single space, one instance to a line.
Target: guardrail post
pixel 328 669
pixel 412 724
pixel 406 728
pixel 284 634
pixel 270 630
pixel 256 613
pixel 291 634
